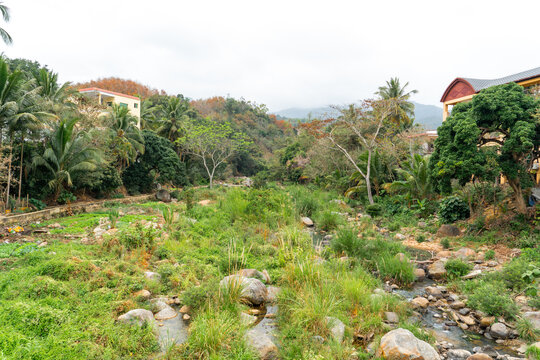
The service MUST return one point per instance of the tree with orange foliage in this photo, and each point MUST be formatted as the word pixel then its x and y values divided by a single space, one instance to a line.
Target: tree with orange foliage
pixel 356 128
pixel 124 86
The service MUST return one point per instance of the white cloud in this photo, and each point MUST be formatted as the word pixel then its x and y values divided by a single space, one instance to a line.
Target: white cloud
pixel 281 53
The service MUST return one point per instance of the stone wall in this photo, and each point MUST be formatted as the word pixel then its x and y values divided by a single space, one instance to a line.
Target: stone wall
pixel 59 211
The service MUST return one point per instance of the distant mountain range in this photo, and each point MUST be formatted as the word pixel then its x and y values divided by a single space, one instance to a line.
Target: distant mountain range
pixel 429 116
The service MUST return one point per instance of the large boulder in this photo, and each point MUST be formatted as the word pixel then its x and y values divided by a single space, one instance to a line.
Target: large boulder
pixel 163 195
pixel 262 343
pixel 138 317
pixel 437 270
pixel 447 230
pixel 420 302
pixel 253 290
pixel 534 318
pixel 480 356
pixel 401 344
pixel 256 274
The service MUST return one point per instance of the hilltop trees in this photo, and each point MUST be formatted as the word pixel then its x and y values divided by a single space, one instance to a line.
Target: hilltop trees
pixel 495 132
pixel 124 86
pixel 125 141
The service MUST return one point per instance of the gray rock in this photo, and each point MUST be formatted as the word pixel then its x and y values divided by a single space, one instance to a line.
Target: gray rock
pixel 458 354
pixel 272 294
pixel 436 292
pixel 163 195
pixel 422 224
pixel 437 270
pixel 307 221
pixel 419 274
pixel 499 331
pixel 420 302
pixel 318 339
pixel 262 343
pixel 401 344
pixel 473 274
pixel 256 274
pixel 150 275
pixel 137 317
pixel 337 328
pixel 253 290
pixel 400 236
pixel 534 318
pixel 447 230
pixel 166 313
pixel 391 317
pixel 247 319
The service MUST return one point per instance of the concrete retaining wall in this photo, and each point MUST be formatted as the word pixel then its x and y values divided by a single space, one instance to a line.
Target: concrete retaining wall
pixel 77 208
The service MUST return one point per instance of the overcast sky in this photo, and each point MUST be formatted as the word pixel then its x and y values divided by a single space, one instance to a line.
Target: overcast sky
pixel 280 53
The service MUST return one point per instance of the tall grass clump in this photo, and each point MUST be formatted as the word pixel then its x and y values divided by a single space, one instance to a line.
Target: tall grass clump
pixel 216 333
pixel 393 268
pixel 234 204
pixel 347 241
pixel 329 220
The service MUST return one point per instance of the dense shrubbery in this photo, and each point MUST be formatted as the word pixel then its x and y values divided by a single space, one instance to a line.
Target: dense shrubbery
pixel 457 268
pixel 491 298
pixel 452 209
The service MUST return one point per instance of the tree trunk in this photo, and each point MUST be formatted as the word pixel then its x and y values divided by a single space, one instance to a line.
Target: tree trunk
pixel 368 181
pixel 9 173
pixel 211 180
pixel 368 188
pixel 21 169
pixel 521 206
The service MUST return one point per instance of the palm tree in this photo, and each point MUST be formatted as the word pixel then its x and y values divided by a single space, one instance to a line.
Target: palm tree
pixel 67 154
pixel 403 117
pixel 174 117
pixel 26 119
pixel 415 181
pixel 5 15
pixel 126 138
pixel 50 90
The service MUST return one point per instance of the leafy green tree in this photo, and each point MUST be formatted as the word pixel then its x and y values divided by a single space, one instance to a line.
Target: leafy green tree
pixel 494 132
pixel 159 164
pixel 380 173
pixel 415 178
pixel 68 153
pixel 403 115
pixel 3 33
pixel 174 118
pixel 213 143
pixel 126 141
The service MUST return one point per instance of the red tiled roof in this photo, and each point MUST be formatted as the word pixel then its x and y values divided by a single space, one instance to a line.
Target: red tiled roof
pixel 108 92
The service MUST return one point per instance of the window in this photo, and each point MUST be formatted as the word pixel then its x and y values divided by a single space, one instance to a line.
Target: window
pixel 135 105
pixel 123 104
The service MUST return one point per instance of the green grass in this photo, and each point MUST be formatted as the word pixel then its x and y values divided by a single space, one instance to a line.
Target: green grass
pixel 62 301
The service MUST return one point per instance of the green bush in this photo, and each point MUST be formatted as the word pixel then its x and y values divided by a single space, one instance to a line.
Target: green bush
pixel 489 255
pixel 421 238
pixel 457 268
pixel 493 299
pixel 374 210
pixel 138 237
pixel 66 197
pixel 445 243
pixel 38 204
pixel 306 206
pixel 452 209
